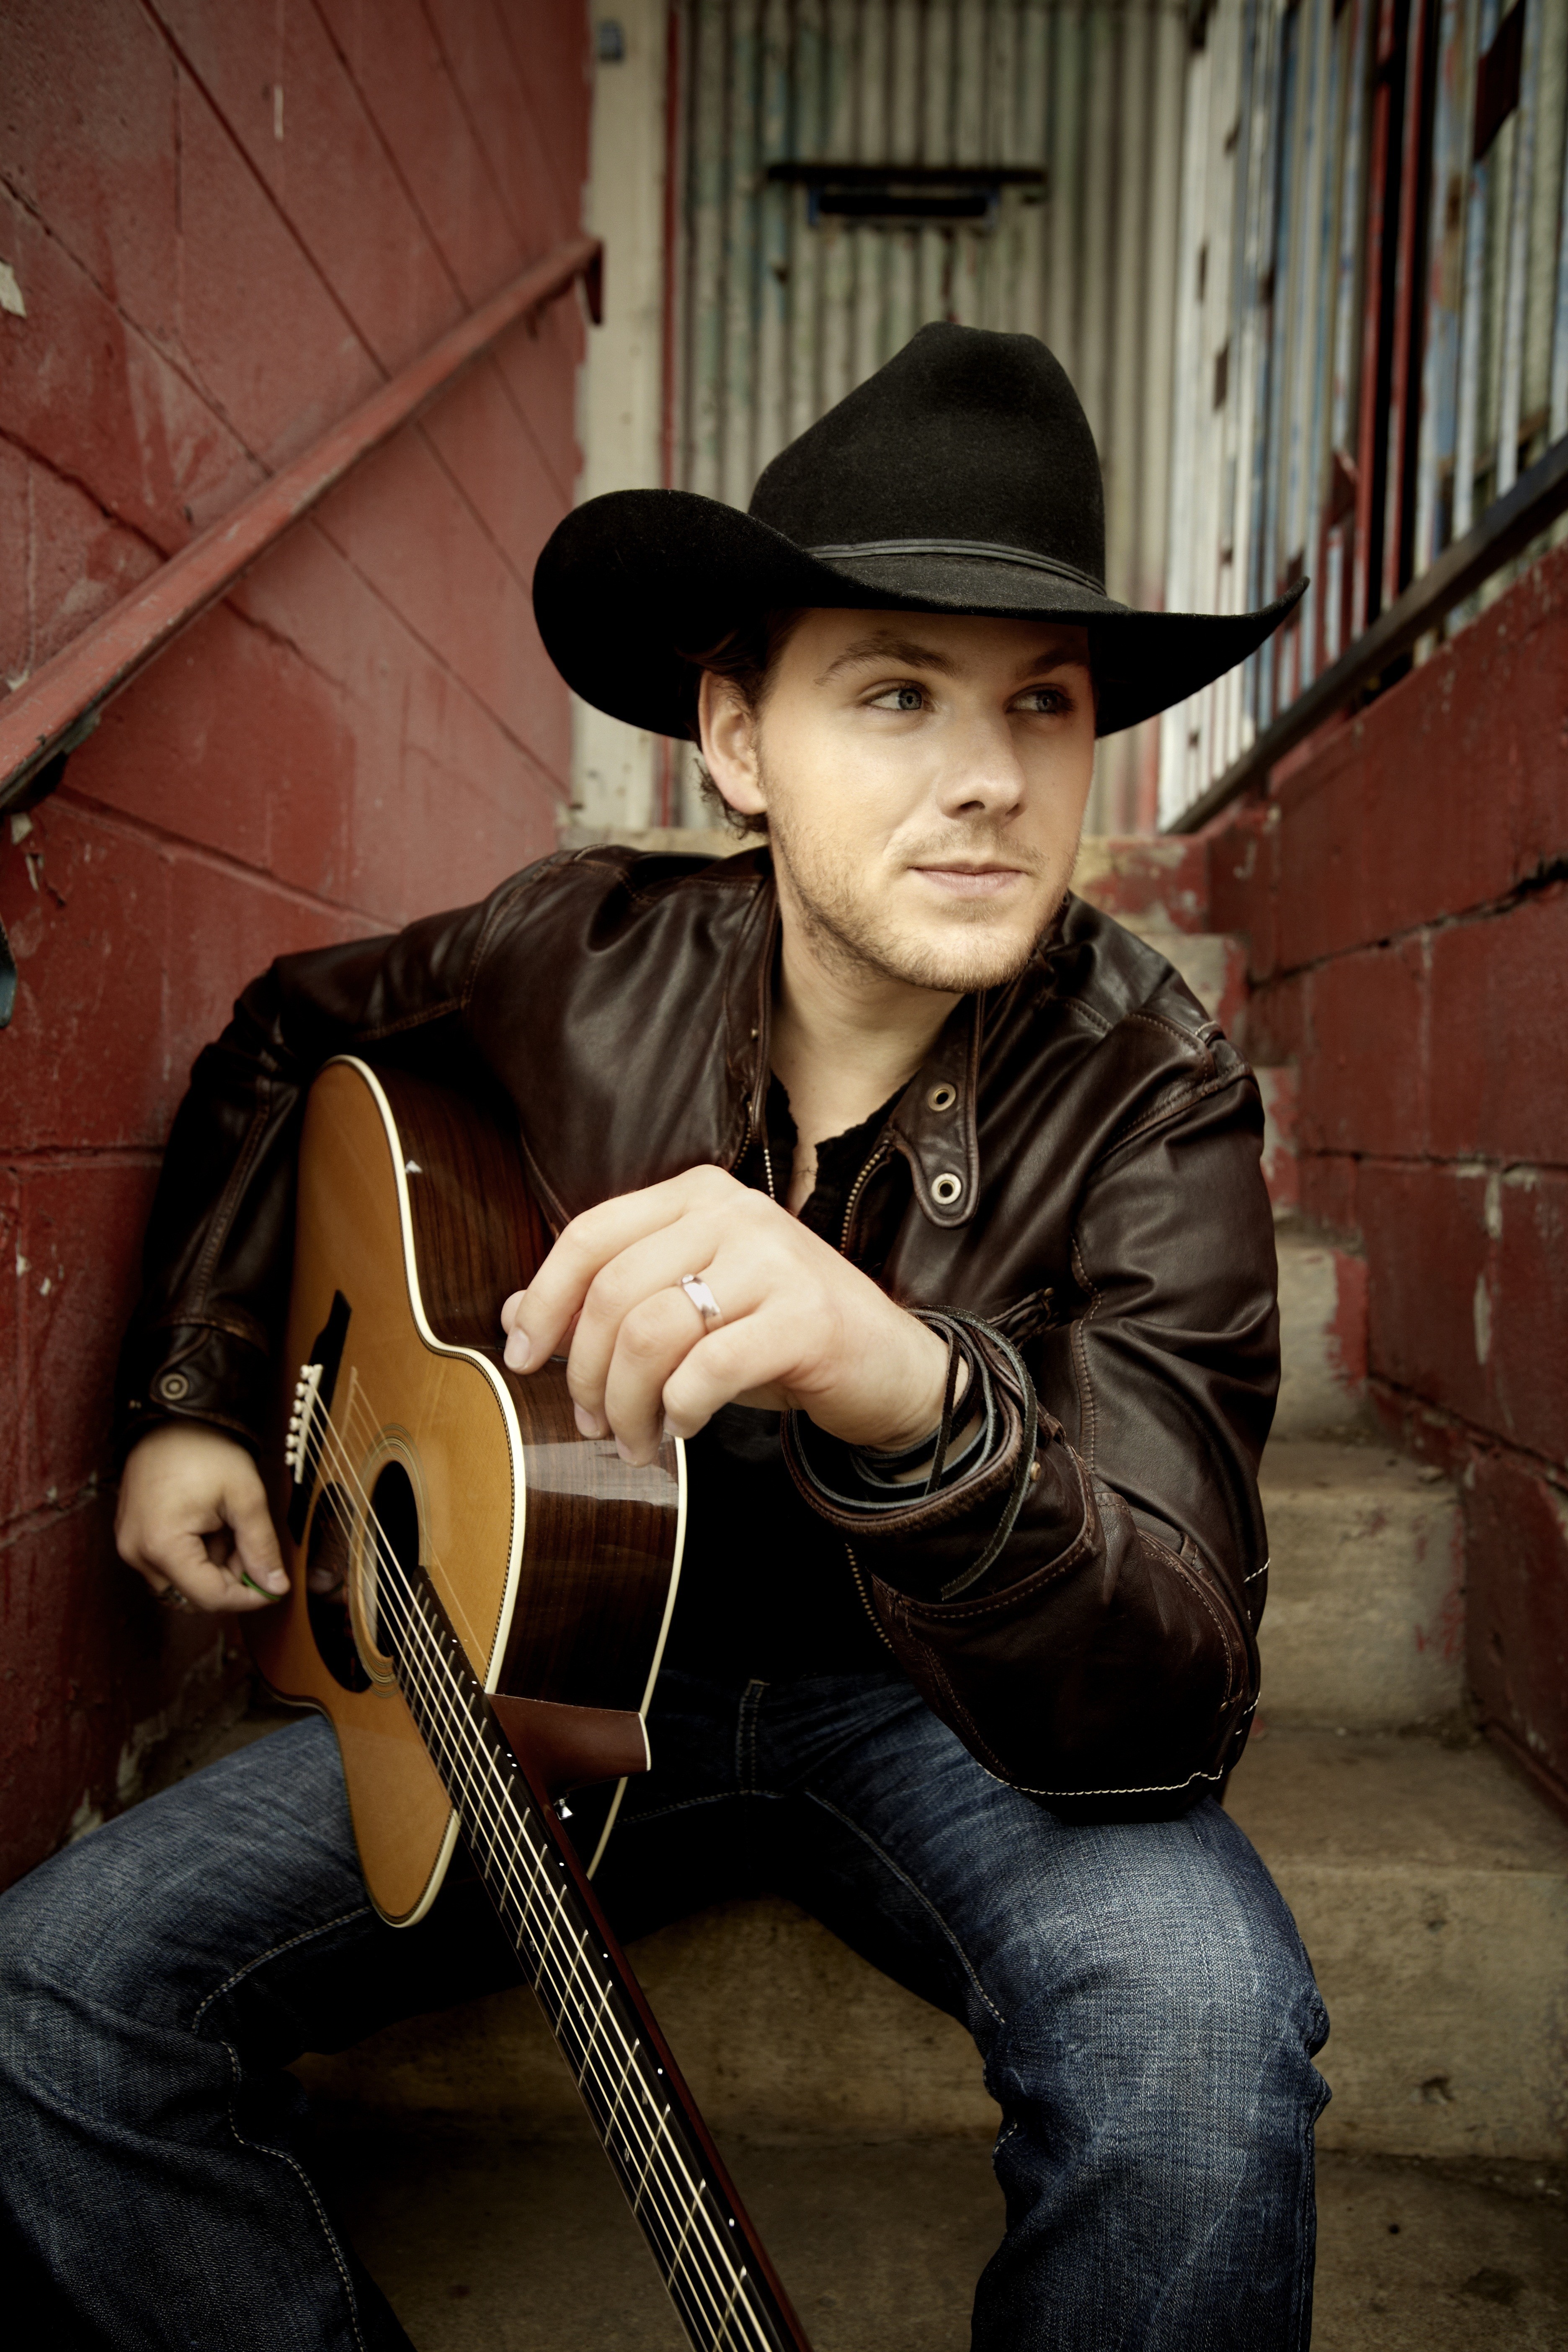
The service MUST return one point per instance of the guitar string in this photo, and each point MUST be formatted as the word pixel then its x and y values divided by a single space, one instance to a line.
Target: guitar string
pixel 571 2021
pixel 691 2206
pixel 691 2203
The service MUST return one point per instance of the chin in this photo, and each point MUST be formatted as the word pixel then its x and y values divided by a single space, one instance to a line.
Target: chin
pixel 966 968
pixel 957 959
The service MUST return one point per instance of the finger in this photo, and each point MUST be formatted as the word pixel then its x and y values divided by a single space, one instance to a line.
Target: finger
pixel 519 1354
pixel 181 1561
pixel 541 1313
pixel 749 1361
pixel 650 1271
pixel 651 1343
pixel 255 1538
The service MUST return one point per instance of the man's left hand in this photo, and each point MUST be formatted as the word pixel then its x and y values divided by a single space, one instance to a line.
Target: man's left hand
pixel 802 1327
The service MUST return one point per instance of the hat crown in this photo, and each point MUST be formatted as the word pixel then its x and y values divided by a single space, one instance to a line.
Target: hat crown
pixel 965 437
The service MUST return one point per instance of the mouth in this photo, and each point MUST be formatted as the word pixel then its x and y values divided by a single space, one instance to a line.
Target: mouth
pixel 971 881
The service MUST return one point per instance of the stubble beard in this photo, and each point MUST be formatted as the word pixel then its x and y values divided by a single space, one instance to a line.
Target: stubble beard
pixel 848 938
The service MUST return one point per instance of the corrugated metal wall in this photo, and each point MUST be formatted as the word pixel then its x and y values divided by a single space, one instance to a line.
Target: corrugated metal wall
pixel 774 318
pixel 1372 326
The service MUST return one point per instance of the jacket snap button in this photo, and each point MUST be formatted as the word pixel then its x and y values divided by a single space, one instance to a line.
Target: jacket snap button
pixel 172 1386
pixel 942 1097
pixel 946 1190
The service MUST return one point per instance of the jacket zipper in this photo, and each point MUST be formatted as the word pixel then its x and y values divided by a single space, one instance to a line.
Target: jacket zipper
pixel 856 1190
pixel 877 1626
pixel 850 1206
pixel 853 1202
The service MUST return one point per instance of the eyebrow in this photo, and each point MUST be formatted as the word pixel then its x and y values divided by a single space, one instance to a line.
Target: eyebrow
pixel 885 646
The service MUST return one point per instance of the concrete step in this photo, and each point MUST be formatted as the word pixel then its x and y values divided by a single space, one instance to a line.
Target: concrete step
pixel 1365 1625
pixel 1323 1335
pixel 483 2236
pixel 1430 1888
pixel 1213 964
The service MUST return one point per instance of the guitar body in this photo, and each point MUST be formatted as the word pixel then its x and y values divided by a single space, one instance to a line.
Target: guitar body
pixel 478 1599
pixel 555 1562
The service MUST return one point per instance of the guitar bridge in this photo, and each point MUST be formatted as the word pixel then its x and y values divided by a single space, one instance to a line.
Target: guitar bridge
pixel 314 1392
pixel 307 1397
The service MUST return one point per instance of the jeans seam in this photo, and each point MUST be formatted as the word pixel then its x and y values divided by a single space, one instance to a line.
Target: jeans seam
pixel 305 1935
pixel 681 1805
pixel 918 1892
pixel 282 2156
pixel 746 1738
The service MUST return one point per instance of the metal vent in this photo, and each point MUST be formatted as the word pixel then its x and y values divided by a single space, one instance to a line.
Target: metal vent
pixel 893 195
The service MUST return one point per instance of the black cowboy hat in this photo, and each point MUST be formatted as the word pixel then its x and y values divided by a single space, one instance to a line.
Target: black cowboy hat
pixel 960 477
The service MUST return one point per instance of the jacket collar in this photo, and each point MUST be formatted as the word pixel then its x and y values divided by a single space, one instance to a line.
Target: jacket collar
pixel 933 1124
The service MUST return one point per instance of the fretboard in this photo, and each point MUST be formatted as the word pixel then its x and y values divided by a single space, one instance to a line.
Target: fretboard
pixel 707 2254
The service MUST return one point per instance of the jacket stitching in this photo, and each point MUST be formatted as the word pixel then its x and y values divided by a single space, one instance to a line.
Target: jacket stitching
pixel 373 1034
pixel 235 1327
pixel 1171 1105
pixel 1087 1411
pixel 229 1203
pixel 1188 1038
pixel 957 1712
pixel 952 1613
pixel 1225 1632
pixel 1144 1789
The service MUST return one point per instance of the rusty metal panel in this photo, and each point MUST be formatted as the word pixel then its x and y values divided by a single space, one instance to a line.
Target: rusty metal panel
pixel 777 315
pixel 1385 186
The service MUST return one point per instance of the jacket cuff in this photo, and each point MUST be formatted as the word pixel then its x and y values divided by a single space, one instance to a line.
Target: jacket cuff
pixel 964 1535
pixel 191 1371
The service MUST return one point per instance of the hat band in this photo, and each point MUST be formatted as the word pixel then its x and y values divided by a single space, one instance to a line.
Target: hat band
pixel 969 546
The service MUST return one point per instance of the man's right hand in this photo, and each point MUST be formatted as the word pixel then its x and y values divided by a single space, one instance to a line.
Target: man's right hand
pixel 193 1515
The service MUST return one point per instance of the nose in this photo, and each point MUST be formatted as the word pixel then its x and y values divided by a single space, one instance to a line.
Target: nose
pixel 980 775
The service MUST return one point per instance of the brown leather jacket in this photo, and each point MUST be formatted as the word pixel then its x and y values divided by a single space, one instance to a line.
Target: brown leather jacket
pixel 1109 1216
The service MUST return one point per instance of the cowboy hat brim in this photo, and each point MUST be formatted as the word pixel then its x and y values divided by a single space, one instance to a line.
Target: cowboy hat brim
pixel 631 587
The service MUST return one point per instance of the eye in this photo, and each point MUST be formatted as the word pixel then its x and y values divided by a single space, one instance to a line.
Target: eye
pixel 899 698
pixel 1043 701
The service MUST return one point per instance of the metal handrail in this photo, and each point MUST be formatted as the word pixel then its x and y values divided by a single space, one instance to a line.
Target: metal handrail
pixel 59 706
pixel 1536 499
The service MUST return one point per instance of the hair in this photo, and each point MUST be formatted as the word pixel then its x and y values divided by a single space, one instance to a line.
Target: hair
pixel 747 659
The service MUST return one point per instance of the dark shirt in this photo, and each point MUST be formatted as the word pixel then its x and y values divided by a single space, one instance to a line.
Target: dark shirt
pixel 766 1592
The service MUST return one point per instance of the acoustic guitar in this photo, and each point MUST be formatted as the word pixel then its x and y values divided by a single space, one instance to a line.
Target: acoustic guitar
pixel 478 1601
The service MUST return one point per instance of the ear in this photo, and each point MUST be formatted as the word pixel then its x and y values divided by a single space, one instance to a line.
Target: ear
pixel 728 729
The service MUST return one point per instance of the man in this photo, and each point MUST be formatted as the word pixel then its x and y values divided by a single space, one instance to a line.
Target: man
pixel 925 1202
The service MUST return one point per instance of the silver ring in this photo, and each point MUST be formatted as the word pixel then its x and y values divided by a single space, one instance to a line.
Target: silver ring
pixel 702 1298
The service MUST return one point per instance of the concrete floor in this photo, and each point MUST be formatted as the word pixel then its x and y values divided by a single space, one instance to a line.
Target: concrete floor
pixel 487 2242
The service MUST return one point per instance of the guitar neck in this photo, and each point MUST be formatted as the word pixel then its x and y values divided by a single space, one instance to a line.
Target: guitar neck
pixel 709 2257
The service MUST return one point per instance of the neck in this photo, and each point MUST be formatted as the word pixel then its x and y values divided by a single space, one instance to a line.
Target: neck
pixel 844 1037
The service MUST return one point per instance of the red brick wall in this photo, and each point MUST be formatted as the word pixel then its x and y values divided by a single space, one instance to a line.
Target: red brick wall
pixel 367 729
pixel 1405 893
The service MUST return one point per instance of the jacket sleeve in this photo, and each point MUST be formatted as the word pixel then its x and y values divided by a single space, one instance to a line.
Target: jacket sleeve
pixel 1107 1659
pixel 220 1243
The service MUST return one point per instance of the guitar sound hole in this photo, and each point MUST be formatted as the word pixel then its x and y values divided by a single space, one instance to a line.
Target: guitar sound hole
pixel 327 1560
pixel 395 1507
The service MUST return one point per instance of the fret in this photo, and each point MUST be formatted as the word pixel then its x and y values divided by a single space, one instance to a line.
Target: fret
pixel 653 2146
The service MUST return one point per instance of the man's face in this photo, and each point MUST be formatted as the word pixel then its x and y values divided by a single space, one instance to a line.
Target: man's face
pixel 924 778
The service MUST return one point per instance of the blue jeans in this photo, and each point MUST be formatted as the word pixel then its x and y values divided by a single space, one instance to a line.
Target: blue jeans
pixel 1137 1992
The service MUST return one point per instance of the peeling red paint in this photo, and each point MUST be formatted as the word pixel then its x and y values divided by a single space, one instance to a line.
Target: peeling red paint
pixel 1404 901
pixel 368 729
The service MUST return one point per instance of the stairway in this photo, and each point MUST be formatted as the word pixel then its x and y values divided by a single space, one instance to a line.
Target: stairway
pixel 1429 1883
pixel 1430 1886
